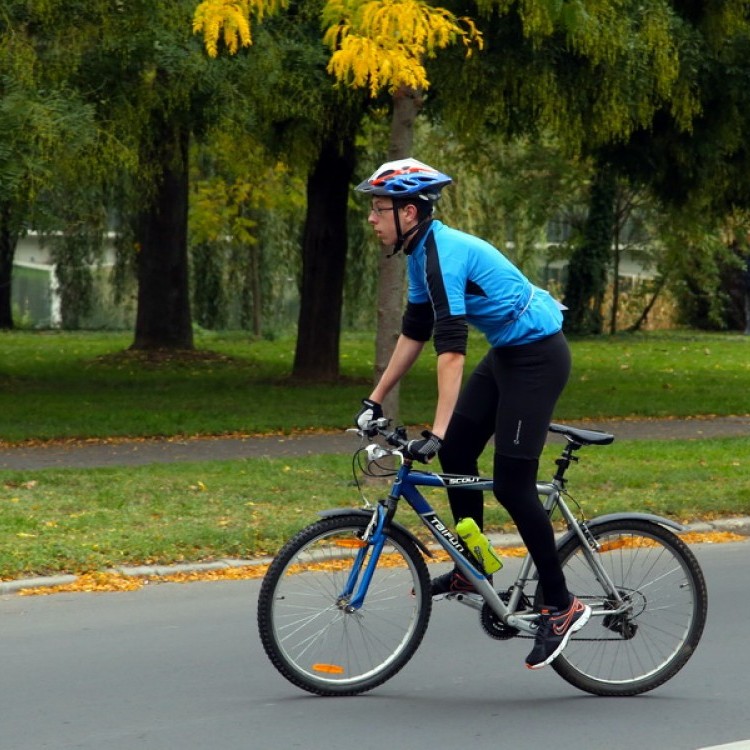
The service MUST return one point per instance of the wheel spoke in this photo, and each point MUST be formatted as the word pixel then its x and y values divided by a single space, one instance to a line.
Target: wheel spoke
pixel 308 632
pixel 642 647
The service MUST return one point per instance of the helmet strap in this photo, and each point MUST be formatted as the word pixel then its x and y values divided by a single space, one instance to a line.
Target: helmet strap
pixel 401 237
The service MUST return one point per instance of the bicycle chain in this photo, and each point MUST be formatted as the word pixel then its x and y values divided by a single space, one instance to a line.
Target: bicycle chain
pixel 497 629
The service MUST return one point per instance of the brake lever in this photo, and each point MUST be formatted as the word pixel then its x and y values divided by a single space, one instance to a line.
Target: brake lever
pixel 375 452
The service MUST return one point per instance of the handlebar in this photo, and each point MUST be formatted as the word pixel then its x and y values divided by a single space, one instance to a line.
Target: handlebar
pixel 396 438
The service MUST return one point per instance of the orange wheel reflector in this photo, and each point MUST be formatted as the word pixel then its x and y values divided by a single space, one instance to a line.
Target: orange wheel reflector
pixel 328 668
pixel 352 543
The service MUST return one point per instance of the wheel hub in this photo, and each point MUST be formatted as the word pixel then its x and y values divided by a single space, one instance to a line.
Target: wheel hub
pixel 624 623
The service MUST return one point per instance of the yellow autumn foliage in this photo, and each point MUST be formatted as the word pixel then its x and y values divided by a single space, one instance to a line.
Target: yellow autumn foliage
pixel 99 582
pixel 229 21
pixel 381 44
pixel 377 44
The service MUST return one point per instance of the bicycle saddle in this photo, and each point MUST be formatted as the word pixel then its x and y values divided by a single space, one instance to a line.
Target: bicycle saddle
pixel 582 437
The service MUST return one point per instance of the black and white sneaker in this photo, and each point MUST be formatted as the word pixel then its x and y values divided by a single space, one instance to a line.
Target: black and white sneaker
pixel 554 631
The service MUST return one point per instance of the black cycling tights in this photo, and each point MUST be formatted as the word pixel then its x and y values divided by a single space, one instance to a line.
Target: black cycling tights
pixel 511 394
pixel 515 488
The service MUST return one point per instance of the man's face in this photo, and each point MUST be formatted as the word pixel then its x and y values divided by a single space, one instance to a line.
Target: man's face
pixel 383 221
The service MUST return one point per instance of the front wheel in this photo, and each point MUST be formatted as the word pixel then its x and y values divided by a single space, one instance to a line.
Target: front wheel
pixel 640 642
pixel 310 631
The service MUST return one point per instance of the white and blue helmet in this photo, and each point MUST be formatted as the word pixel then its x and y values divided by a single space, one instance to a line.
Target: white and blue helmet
pixel 405 178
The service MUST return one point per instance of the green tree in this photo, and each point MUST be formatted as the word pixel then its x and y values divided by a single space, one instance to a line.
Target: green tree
pixel 589 74
pixel 382 45
pixel 46 129
pixel 158 92
pixel 707 269
pixel 151 88
pixel 324 251
pixel 316 125
pixel 376 46
pixel 702 171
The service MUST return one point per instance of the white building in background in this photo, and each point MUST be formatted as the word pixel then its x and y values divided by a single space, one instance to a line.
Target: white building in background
pixel 36 290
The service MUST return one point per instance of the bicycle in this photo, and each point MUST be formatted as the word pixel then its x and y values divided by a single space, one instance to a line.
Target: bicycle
pixel 346 602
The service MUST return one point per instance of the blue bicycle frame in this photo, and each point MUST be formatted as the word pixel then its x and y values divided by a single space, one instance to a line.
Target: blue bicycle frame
pixel 405 486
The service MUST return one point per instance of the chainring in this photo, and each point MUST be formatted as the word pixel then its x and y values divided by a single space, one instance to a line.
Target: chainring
pixel 493 625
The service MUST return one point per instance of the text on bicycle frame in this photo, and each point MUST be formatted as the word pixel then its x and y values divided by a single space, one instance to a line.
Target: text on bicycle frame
pixel 444 531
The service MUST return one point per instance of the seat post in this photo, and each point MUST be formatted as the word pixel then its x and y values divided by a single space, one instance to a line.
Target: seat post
pixel 563 462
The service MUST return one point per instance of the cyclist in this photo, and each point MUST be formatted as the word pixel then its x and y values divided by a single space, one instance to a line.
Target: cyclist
pixel 456 279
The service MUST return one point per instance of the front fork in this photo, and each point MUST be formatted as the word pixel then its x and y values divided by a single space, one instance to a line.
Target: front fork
pixel 373 540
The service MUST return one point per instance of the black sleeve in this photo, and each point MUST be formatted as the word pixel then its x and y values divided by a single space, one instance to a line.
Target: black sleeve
pixel 417 321
pixel 451 334
pixel 451 331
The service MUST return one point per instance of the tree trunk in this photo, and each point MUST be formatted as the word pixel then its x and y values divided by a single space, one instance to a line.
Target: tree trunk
pixel 615 285
pixel 391 271
pixel 8 240
pixel 625 202
pixel 661 283
pixel 324 246
pixel 163 319
pixel 390 307
pixel 587 271
pixel 257 292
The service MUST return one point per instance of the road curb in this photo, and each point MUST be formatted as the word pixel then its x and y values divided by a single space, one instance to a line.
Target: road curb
pixel 739 525
pixel 138 571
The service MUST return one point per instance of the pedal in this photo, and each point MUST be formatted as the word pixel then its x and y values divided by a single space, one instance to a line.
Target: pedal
pixel 475 601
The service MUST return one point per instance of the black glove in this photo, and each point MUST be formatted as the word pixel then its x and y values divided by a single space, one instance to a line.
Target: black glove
pixel 370 411
pixel 424 450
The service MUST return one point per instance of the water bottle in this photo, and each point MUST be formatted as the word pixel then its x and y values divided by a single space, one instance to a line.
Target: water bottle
pixel 478 545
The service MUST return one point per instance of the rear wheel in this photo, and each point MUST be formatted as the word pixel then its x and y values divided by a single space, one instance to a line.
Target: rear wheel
pixel 634 647
pixel 310 632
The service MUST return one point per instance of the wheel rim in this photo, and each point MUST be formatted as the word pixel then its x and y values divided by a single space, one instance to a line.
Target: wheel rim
pixel 647 638
pixel 316 635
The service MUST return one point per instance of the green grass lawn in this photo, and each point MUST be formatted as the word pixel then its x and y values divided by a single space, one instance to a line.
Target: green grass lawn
pixel 54 521
pixel 79 385
pixel 63 385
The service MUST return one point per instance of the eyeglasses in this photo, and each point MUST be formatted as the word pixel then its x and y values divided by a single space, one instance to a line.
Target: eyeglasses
pixel 380 210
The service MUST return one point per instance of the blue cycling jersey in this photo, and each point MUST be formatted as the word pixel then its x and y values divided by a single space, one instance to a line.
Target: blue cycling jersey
pixel 464 278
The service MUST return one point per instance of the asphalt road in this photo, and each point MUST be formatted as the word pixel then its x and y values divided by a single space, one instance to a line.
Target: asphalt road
pixel 180 666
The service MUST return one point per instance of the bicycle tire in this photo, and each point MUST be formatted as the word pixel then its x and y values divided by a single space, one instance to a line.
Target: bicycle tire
pixel 632 653
pixel 307 633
